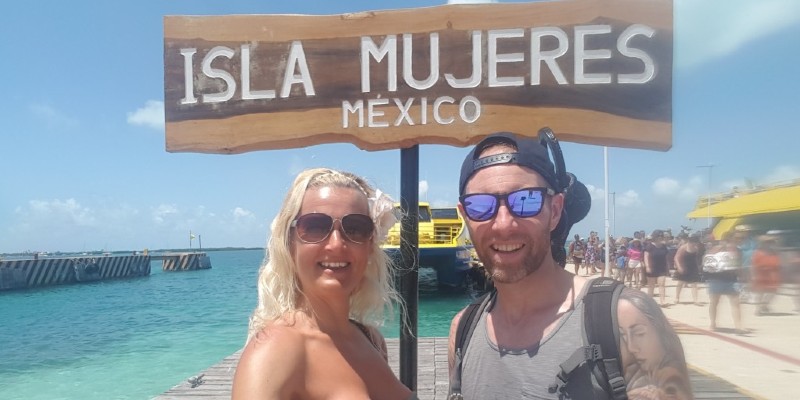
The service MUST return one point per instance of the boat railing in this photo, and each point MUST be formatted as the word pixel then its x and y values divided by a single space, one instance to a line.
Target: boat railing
pixel 447 232
pixel 703 201
pixel 436 231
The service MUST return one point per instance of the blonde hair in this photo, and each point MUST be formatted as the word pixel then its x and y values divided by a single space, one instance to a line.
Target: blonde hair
pixel 279 292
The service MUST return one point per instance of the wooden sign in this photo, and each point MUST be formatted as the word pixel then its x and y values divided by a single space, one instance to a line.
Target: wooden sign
pixel 595 71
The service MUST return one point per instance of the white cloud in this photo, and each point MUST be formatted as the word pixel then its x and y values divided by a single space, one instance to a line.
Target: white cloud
pixel 697 182
pixel 688 193
pixel 734 183
pixel 783 173
pixel 240 214
pixel 672 188
pixel 51 116
pixel 423 189
pixel 71 225
pixel 470 1
pixel 779 175
pixel 441 203
pixel 711 29
pixel 628 198
pixel 666 187
pixel 66 211
pixel 595 192
pixel 118 212
pixel 151 115
pixel 163 211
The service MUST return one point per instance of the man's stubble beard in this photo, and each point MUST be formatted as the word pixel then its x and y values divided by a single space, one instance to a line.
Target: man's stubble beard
pixel 537 251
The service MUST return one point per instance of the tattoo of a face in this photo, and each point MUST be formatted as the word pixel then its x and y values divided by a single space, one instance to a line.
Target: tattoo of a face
pixel 652 356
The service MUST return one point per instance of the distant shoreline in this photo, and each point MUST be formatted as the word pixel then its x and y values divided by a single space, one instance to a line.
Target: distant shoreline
pixel 123 252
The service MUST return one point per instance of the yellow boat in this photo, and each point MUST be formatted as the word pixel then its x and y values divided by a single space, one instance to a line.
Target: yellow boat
pixel 443 244
pixel 775 207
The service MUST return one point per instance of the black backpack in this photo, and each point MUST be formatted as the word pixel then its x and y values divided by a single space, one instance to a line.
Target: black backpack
pixel 600 352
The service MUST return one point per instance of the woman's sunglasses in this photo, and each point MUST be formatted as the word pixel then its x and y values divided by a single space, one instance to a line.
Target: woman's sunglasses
pixel 523 203
pixel 316 227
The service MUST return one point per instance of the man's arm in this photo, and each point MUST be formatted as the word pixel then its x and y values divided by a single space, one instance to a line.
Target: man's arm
pixel 653 362
pixel 451 342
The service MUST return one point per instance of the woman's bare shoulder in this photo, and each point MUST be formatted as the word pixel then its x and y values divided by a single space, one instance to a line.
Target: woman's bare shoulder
pixel 278 340
pixel 275 344
pixel 279 332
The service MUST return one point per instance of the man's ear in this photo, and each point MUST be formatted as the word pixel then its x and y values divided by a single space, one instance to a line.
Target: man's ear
pixel 463 214
pixel 556 208
pixel 465 218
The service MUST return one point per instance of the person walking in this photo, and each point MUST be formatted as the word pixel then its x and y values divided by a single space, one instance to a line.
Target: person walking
pixel 513 202
pixel 591 255
pixel 621 263
pixel 744 239
pixel 687 267
pixel 635 255
pixel 766 273
pixel 576 250
pixel 655 255
pixel 722 280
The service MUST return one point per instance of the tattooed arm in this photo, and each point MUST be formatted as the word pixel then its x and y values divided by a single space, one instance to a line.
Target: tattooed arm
pixel 652 356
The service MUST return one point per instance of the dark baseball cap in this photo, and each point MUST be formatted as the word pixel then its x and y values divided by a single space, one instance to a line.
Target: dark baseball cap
pixel 531 153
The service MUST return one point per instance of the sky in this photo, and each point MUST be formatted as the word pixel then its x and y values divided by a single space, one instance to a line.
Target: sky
pixel 84 165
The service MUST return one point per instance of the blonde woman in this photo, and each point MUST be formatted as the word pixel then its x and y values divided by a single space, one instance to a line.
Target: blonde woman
pixel 326 285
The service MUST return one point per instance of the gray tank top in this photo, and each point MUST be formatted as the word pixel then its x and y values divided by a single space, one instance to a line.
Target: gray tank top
pixel 491 373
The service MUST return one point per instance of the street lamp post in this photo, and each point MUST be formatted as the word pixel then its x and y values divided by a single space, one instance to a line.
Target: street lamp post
pixel 614 214
pixel 607 266
pixel 708 198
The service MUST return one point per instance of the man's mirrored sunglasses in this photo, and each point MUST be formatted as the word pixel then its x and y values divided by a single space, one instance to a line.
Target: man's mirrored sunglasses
pixel 524 203
pixel 316 227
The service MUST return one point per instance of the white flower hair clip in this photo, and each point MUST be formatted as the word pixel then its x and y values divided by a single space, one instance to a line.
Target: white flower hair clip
pixel 381 208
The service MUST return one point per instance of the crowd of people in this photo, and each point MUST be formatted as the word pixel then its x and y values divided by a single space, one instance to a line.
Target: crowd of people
pixel 327 285
pixel 756 263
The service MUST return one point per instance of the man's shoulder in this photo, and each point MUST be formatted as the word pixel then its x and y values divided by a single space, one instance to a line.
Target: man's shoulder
pixel 469 311
pixel 456 319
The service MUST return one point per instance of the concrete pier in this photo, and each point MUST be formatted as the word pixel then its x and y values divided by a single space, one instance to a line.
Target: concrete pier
pixel 184 261
pixel 32 273
pixel 51 271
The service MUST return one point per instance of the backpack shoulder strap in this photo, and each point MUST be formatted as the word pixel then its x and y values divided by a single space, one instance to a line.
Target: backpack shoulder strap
pixel 601 340
pixel 466 326
pixel 600 304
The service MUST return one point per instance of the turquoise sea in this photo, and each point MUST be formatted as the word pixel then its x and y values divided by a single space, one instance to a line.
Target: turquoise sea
pixel 136 338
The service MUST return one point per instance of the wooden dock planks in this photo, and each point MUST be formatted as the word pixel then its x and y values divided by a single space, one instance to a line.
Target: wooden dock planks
pixel 432 379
